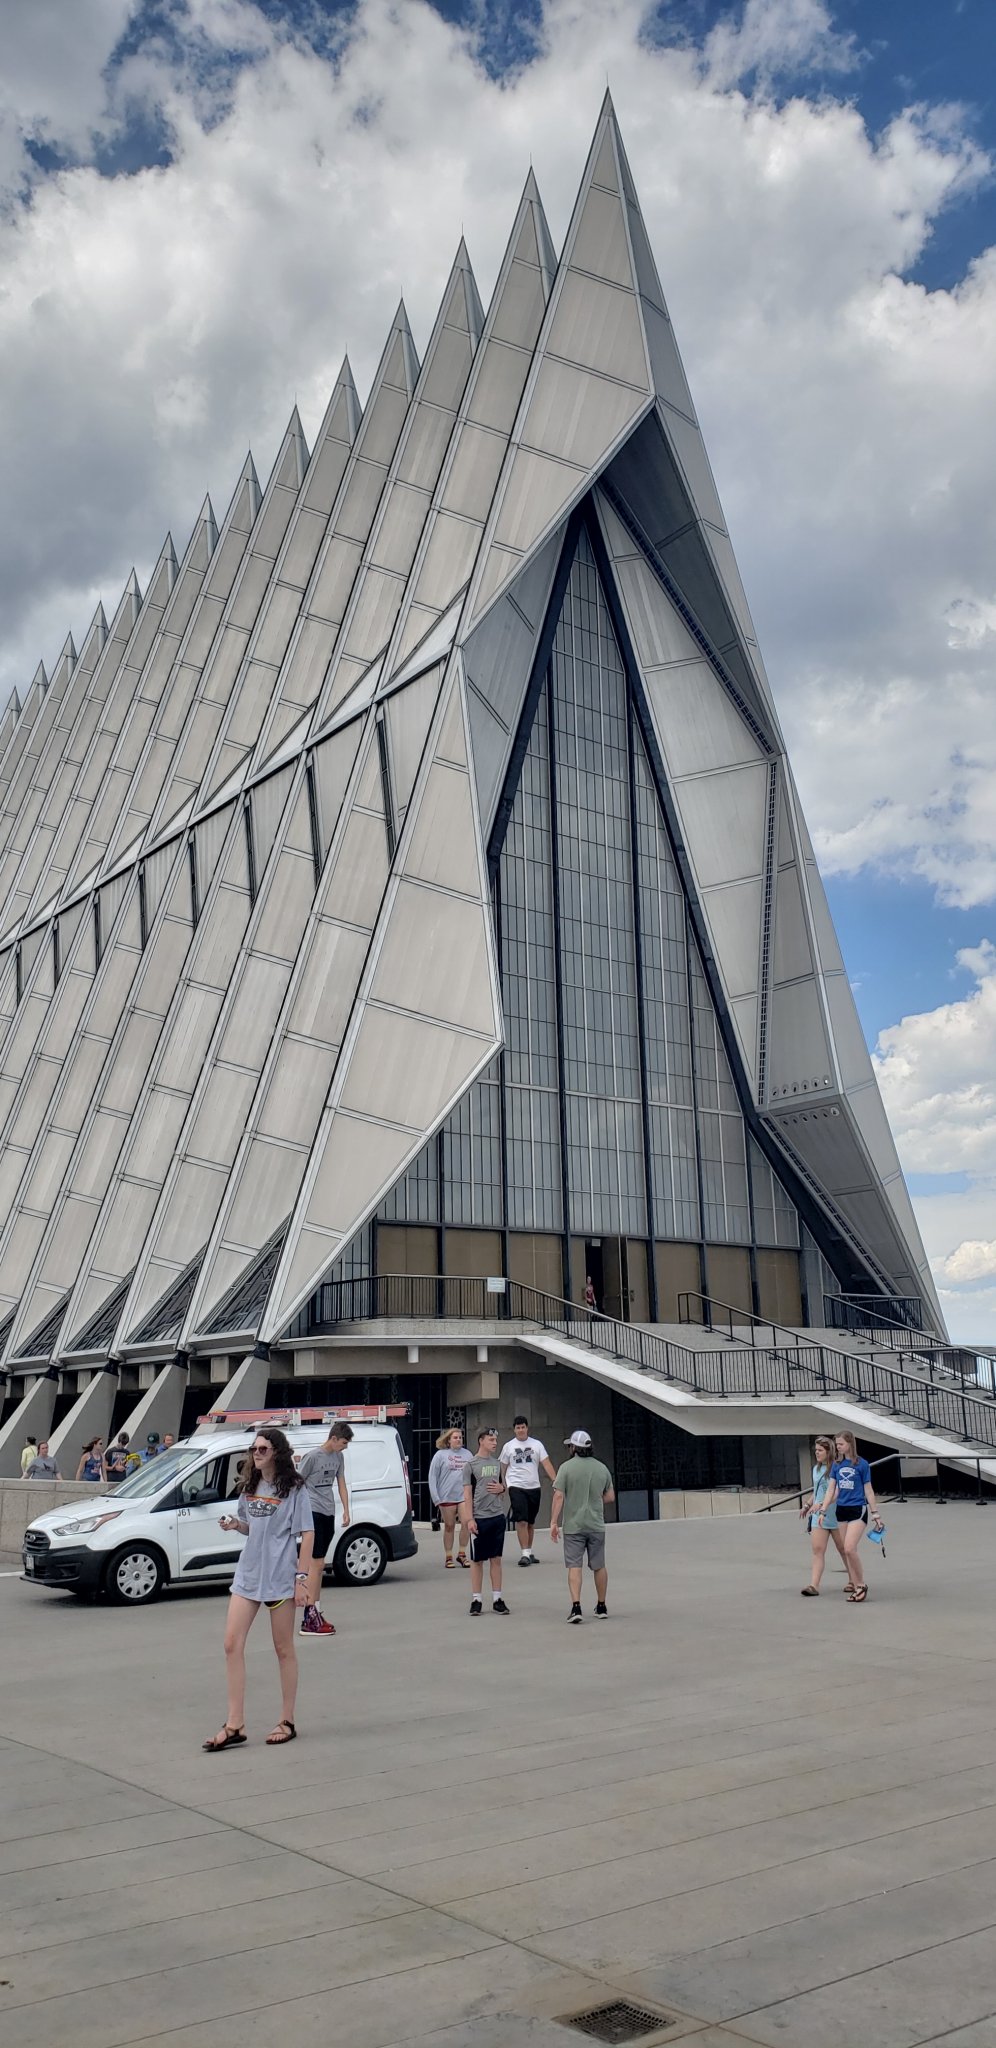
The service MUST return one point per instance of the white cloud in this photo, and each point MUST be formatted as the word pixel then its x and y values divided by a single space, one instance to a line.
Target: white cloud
pixel 152 325
pixel 52 88
pixel 971 1260
pixel 773 37
pixel 937 1073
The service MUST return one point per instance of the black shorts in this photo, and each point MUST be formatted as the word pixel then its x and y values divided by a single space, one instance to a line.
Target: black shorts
pixel 324 1534
pixel 525 1502
pixel 490 1538
pixel 852 1514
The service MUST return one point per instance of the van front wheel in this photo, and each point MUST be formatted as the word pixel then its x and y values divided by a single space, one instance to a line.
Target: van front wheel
pixel 361 1558
pixel 134 1576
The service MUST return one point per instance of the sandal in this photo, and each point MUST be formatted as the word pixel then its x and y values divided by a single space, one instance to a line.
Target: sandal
pixel 230 1738
pixel 276 1740
pixel 450 1566
pixel 860 1593
pixel 810 1592
pixel 463 1560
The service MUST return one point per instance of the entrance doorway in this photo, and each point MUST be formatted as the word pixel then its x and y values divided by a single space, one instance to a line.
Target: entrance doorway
pixel 605 1261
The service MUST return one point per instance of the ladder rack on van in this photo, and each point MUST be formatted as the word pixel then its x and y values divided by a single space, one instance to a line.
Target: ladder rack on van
pixel 291 1418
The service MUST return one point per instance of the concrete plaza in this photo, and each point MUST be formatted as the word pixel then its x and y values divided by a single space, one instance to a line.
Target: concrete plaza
pixel 764 1819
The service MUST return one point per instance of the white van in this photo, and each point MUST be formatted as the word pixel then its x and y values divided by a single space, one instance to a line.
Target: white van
pixel 161 1527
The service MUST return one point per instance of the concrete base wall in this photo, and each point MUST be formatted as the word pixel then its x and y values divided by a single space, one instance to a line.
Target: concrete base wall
pixel 23 1500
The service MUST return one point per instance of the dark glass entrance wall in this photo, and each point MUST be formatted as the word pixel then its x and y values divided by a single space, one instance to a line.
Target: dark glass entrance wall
pixel 652 1455
pixel 610 1129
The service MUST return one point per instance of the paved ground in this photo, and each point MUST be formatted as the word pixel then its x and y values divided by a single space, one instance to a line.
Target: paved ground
pixel 771 1820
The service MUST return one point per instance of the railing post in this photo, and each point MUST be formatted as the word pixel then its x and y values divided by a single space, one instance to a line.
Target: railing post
pixel 980 1498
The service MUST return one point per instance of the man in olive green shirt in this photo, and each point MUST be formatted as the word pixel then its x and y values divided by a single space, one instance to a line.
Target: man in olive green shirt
pixel 581 1490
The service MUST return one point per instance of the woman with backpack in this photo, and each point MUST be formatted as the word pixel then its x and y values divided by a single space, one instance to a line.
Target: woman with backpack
pixel 273 1513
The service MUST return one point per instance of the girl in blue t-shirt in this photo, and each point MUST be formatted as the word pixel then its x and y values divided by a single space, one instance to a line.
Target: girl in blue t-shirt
pixel 851 1494
pixel 820 1532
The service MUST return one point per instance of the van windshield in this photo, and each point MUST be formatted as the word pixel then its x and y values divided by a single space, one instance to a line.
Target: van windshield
pixel 151 1478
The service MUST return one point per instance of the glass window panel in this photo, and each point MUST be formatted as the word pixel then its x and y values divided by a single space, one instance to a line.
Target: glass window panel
pixel 597 915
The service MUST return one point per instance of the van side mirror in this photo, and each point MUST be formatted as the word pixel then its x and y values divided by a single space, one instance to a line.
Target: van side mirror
pixel 206 1496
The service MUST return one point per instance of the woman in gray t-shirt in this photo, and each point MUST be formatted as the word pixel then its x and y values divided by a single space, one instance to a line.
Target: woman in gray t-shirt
pixel 273 1513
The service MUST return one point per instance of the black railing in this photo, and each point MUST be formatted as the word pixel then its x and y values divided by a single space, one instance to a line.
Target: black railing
pixel 894 1308
pixel 726 1320
pixel 968 1365
pixel 794 1369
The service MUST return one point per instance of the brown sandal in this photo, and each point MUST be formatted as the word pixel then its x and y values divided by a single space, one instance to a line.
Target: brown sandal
pixel 860 1593
pixel 276 1740
pixel 230 1738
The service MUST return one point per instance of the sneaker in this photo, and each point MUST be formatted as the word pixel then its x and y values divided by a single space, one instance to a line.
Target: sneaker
pixel 449 1564
pixel 602 1609
pixel 314 1623
pixel 463 1560
pixel 575 1613
pixel 475 1607
pixel 524 1559
pixel 499 1607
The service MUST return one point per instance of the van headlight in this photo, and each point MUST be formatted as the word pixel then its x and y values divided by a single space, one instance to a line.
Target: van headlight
pixel 88 1525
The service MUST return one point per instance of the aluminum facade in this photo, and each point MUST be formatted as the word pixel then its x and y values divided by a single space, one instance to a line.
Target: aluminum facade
pixel 250 833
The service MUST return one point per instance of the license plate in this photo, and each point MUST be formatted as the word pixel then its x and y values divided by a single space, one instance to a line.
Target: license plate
pixel 29 1564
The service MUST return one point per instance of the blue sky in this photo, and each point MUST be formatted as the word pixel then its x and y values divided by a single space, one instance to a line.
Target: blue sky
pixel 203 202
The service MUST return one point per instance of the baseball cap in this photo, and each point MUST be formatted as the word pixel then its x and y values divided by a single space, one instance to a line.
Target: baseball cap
pixel 580 1440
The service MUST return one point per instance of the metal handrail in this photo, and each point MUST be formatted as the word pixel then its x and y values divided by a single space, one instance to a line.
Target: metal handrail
pixel 744 1316
pixel 966 1363
pixel 789 1498
pixel 797 1369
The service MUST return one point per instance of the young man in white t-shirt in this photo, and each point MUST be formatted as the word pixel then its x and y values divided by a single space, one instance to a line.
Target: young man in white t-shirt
pixel 522 1460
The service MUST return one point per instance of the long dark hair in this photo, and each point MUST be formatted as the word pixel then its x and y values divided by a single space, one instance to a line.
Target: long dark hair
pixel 285 1478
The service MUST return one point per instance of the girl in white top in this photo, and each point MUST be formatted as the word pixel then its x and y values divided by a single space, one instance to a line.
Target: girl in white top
pixel 446 1493
pixel 273 1511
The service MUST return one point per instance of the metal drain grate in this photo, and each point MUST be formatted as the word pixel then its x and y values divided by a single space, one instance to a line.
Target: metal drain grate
pixel 618 2023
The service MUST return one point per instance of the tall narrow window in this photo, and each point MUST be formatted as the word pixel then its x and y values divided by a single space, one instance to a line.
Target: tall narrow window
pixel 597 933
pixel 313 820
pixel 250 847
pixel 98 936
pixel 195 903
pixel 56 954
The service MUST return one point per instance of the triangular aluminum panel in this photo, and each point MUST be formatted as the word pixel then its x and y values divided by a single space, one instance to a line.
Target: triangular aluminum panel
pixel 303 1046
pixel 408 716
pixel 325 601
pixel 589 385
pixel 498 661
pixel 426 1023
pixel 477 448
pixel 377 594
pixel 435 645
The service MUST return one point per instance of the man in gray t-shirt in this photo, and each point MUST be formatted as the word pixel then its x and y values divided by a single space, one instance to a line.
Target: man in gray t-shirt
pixel 323 1472
pixel 485 1504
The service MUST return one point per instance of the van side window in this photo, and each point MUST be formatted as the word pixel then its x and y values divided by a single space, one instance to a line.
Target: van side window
pixel 194 1483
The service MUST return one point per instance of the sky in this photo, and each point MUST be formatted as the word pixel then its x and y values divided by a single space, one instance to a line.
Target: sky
pixel 205 203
